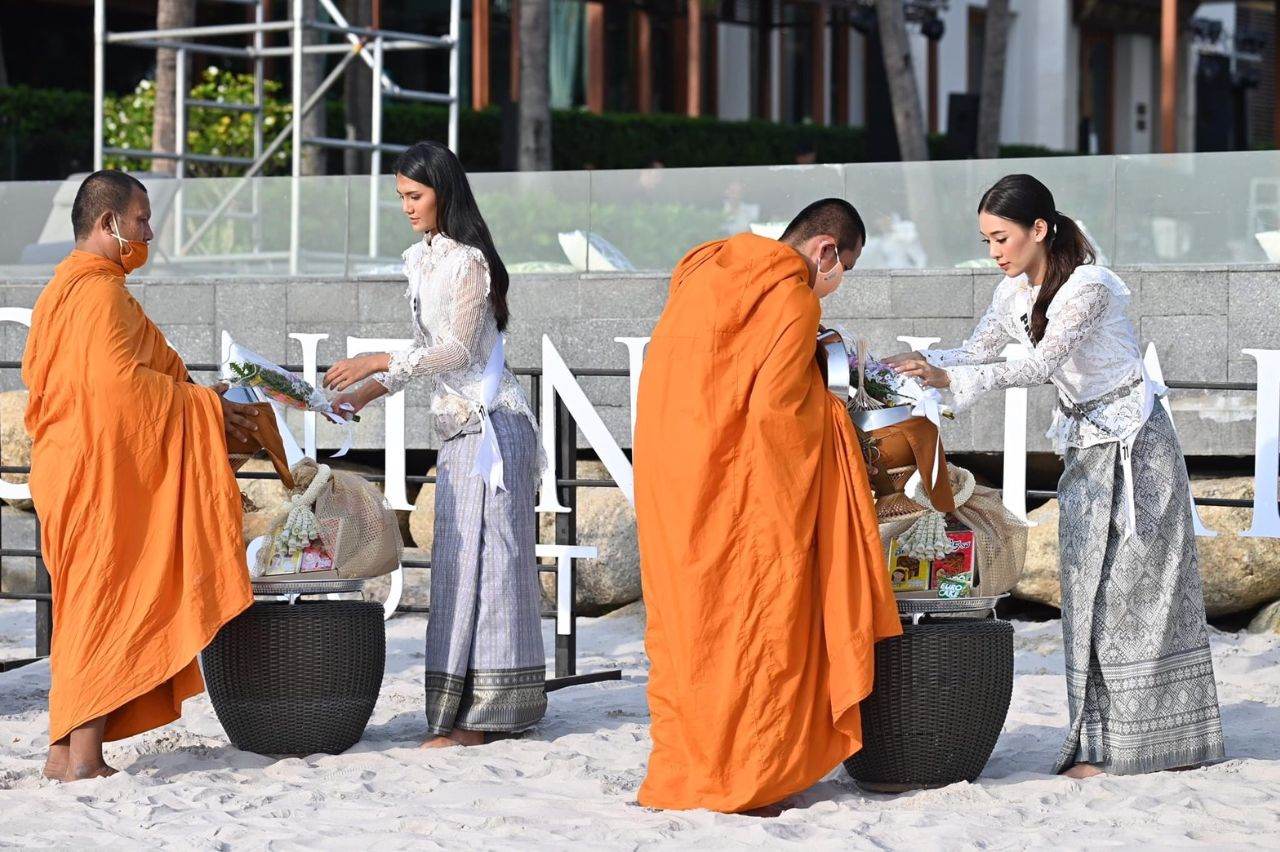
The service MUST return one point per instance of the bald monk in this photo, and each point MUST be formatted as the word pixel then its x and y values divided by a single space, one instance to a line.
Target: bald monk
pixel 761 563
pixel 141 518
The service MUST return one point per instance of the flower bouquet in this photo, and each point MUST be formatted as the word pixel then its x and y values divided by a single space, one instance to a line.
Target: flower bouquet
pixel 245 368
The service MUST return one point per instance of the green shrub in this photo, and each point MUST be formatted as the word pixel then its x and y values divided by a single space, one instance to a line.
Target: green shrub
pixel 127 123
pixel 47 133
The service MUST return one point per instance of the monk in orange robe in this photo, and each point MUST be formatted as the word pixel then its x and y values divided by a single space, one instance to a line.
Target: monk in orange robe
pixel 141 518
pixel 761 563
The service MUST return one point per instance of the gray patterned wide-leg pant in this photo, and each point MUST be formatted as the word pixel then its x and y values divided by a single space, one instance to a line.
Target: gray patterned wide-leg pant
pixel 1140 682
pixel 485 662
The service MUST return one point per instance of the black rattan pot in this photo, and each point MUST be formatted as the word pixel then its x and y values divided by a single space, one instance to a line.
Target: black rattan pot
pixel 941 695
pixel 297 678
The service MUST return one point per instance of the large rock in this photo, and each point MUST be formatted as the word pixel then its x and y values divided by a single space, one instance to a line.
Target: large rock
pixel 1267 620
pixel 1039 580
pixel 606 521
pixel 265 494
pixel 15 444
pixel 423 517
pixel 1239 572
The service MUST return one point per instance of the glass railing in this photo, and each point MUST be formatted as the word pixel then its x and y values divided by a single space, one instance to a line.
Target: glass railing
pixel 1165 210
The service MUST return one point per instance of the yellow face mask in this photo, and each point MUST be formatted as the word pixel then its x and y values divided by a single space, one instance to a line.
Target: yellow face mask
pixel 133 253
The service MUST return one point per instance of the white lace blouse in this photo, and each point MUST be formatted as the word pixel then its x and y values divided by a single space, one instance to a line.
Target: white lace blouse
pixel 454 332
pixel 1089 352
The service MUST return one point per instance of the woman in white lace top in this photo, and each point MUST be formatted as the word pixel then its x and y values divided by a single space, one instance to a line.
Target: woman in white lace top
pixel 1140 685
pixel 485 667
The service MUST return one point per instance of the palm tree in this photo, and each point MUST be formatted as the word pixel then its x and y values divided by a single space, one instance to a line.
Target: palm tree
pixel 170 14
pixel 994 50
pixel 358 95
pixel 535 86
pixel 908 117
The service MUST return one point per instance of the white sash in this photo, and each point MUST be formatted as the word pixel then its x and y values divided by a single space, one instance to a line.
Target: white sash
pixel 488 463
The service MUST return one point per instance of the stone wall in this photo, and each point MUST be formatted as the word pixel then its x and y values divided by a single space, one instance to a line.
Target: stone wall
pixel 1199 319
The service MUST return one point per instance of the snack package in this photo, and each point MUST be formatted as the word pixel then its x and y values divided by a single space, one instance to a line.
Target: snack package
pixel 959 561
pixel 906 573
pixel 956 586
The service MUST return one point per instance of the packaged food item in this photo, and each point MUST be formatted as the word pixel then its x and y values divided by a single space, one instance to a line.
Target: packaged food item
pixel 959 561
pixel 907 573
pixel 956 586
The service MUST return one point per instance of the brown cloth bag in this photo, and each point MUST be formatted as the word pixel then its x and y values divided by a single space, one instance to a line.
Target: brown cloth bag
pixel 266 438
pixel 915 443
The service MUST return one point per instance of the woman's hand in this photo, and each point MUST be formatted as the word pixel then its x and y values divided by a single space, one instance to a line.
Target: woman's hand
pixel 352 371
pixel 350 402
pixel 896 361
pixel 913 364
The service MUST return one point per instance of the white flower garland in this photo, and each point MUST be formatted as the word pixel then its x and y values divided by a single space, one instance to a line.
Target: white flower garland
pixel 927 537
pixel 301 527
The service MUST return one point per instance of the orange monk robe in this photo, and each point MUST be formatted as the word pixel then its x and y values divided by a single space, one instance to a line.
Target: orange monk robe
pixel 141 518
pixel 761 563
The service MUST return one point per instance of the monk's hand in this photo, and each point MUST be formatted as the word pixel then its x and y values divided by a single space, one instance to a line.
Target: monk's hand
pixel 924 372
pixel 237 418
pixel 352 371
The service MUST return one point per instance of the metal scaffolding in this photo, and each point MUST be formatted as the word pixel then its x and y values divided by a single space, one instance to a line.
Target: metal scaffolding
pixel 367 44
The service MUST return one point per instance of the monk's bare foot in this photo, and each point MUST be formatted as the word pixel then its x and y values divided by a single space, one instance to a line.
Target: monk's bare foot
pixel 1082 770
pixel 55 765
pixel 83 773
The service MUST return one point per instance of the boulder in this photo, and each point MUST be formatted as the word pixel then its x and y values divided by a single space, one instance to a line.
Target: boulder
pixel 1039 580
pixel 15 444
pixel 606 521
pixel 423 517
pixel 417 583
pixel 1239 572
pixel 264 494
pixel 1267 620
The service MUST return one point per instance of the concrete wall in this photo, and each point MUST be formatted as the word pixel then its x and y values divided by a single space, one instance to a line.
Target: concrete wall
pixel 1199 320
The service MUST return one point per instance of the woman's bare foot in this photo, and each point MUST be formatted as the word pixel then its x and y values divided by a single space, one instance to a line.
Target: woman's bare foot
pixel 456 737
pixel 1082 770
pixel 440 742
pixel 467 738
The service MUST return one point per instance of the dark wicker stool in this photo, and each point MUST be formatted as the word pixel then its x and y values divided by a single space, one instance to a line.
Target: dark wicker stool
pixel 941 694
pixel 297 678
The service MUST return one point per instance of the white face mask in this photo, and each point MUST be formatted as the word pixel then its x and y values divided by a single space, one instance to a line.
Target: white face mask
pixel 829 280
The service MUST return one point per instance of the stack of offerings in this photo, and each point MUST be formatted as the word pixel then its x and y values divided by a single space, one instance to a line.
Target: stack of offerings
pixel 334 525
pixel 944 535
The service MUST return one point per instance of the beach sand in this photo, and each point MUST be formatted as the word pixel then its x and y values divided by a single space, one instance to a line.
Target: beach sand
pixel 572 781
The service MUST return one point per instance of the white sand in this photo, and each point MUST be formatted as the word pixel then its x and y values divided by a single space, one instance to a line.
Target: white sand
pixel 573 780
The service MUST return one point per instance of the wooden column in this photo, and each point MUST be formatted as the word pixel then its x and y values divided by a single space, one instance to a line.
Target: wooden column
pixel 595 56
pixel 818 64
pixel 480 37
pixel 693 58
pixel 764 65
pixel 644 61
pixel 840 69
pixel 1169 76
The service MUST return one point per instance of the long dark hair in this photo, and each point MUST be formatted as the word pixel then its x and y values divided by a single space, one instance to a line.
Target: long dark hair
pixel 457 215
pixel 1023 199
